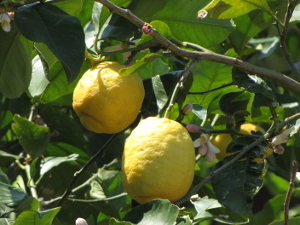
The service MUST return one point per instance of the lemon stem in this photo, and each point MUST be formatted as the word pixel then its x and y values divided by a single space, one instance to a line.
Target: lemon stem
pixel 180 85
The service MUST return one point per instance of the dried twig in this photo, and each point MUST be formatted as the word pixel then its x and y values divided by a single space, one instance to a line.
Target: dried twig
pixel 289 193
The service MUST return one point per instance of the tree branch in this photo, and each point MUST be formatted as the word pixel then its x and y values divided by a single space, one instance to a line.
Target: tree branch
pixel 283 35
pixel 207 56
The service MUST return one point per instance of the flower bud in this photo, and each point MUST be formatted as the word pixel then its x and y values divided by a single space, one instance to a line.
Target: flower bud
pixel 147 28
pixel 193 128
pixel 279 149
pixel 81 221
pixel 187 109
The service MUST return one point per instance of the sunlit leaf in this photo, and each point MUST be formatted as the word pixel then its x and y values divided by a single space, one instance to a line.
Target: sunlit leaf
pixel 45 217
pixel 33 137
pixel 154 212
pixel 52 161
pixel 226 9
pixel 182 20
pixel 203 205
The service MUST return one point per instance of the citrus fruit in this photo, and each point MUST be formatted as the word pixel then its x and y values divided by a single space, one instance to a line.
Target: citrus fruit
pixel 222 141
pixel 105 101
pixel 158 161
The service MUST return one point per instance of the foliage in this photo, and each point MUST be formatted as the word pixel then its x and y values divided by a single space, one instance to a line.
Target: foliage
pixel 242 66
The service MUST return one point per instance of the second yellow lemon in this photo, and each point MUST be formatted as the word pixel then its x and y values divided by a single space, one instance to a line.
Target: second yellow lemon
pixel 105 101
pixel 222 141
pixel 158 161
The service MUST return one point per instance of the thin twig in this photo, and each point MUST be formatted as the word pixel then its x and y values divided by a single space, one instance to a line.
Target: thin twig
pixel 79 173
pixel 211 90
pixel 207 56
pixel 237 157
pixel 179 86
pixel 290 8
pixel 289 193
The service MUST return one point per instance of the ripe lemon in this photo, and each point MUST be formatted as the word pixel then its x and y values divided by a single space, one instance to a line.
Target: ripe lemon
pixel 158 161
pixel 105 101
pixel 222 141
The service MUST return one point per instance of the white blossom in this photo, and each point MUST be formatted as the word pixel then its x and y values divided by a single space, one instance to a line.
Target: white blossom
pixel 206 147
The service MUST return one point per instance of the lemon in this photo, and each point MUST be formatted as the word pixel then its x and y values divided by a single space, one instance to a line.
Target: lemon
pixel 222 141
pixel 105 101
pixel 158 161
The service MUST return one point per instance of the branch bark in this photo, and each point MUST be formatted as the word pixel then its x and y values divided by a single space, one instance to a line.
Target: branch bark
pixel 207 56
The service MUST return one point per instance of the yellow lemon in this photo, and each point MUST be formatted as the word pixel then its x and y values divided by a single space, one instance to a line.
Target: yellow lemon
pixel 222 141
pixel 158 161
pixel 105 101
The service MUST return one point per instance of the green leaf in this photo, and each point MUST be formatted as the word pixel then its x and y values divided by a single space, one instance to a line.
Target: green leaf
pixel 169 81
pixel 236 186
pixel 33 137
pixel 292 221
pixel 159 92
pixel 72 8
pixel 52 161
pixel 182 20
pixel 264 46
pixel 200 112
pixel 15 62
pixel 11 196
pixel 45 217
pixel 272 208
pixel 29 204
pixel 118 28
pixel 296 15
pixel 203 205
pixel 114 221
pixel 39 81
pixel 100 13
pixel 185 220
pixel 61 32
pixel 227 9
pixel 139 64
pixel 6 221
pixel 252 84
pixel 154 212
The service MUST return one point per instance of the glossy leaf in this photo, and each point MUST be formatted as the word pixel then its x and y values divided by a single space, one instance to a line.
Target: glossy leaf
pixel 61 32
pixel 11 196
pixel 203 205
pixel 33 137
pixel 154 212
pixel 182 20
pixel 45 217
pixel 49 162
pixel 15 63
pixel 108 183
pixel 29 204
pixel 139 64
pixel 252 84
pixel 236 186
pixel 226 9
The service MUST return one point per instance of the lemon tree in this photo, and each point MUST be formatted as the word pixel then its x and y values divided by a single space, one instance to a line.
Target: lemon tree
pixel 149 112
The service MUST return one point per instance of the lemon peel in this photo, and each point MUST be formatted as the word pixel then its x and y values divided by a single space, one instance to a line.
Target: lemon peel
pixel 105 101
pixel 158 161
